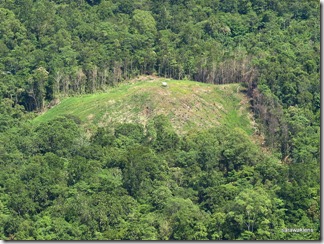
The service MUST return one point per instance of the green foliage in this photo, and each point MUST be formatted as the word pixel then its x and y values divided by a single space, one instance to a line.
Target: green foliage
pixel 166 137
pixel 10 114
pixel 187 221
pixel 237 150
pixel 140 171
pixel 209 185
pixel 57 136
pixel 145 162
pixel 132 131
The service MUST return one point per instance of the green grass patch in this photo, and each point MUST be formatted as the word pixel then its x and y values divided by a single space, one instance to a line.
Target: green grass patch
pixel 188 104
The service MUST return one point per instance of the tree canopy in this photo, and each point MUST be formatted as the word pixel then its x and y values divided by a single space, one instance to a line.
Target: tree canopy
pixel 147 182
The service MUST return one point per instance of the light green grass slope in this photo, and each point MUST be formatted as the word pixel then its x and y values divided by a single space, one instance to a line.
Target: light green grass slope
pixel 188 104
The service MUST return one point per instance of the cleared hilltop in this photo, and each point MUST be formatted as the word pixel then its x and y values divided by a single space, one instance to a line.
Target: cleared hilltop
pixel 188 105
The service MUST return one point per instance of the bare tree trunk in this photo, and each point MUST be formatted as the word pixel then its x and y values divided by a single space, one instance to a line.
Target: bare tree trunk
pixel 94 78
pixel 58 79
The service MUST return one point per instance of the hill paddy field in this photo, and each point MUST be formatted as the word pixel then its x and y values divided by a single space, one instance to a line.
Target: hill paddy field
pixel 188 104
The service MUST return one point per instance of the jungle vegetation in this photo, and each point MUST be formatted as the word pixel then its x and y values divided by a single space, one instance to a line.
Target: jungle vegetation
pixel 129 181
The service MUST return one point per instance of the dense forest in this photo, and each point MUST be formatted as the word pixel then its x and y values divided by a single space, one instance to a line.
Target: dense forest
pixel 134 182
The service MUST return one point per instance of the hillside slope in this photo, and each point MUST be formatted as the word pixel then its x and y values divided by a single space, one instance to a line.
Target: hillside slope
pixel 188 105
